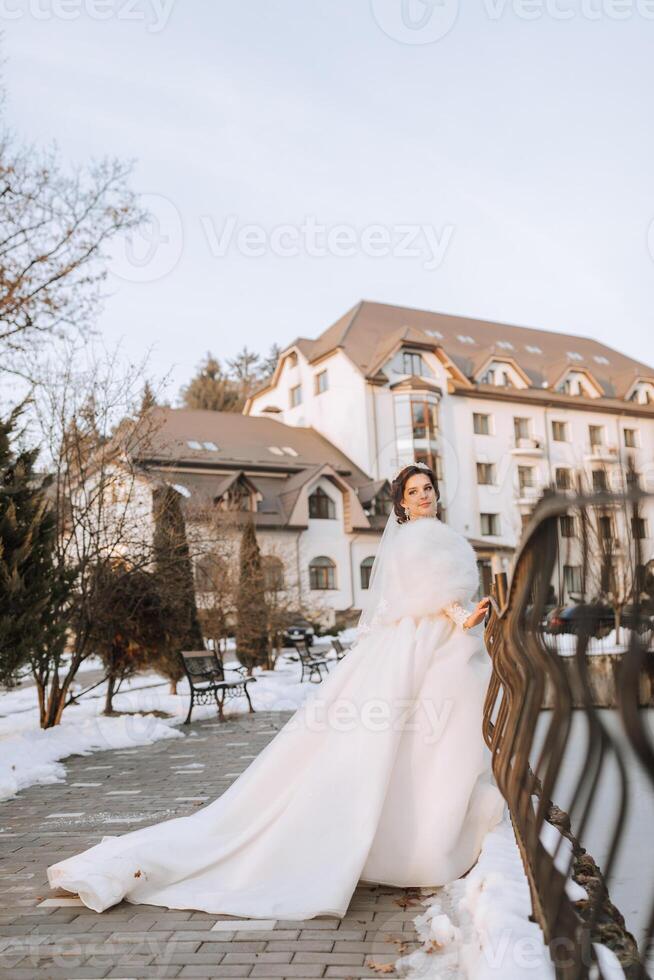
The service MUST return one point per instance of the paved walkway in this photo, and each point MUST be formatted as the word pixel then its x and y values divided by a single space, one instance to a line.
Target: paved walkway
pixel 113 792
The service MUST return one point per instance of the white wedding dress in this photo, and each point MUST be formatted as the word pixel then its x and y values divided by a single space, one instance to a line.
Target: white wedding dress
pixel 382 775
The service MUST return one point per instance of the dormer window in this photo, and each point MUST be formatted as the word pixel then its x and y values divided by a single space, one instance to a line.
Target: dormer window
pixel 321 506
pixel 239 497
pixel 412 363
pixel 642 393
pixel 578 383
pixel 502 374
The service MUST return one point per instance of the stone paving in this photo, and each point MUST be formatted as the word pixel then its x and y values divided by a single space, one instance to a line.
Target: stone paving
pixel 112 792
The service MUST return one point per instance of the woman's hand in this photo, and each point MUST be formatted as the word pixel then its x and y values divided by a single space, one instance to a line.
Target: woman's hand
pixel 478 614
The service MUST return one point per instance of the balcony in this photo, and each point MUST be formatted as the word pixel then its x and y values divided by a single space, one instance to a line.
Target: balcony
pixel 602 454
pixel 527 447
pixel 527 496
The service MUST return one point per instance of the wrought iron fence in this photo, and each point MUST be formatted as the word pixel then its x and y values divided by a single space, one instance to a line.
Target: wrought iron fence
pixel 530 745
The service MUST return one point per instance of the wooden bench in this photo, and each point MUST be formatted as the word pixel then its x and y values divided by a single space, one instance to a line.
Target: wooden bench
pixel 312 663
pixel 207 682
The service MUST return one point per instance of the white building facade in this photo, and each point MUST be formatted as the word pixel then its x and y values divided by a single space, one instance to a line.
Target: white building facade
pixel 500 411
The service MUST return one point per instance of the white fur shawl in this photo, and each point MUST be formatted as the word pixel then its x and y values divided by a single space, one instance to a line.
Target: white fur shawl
pixel 430 566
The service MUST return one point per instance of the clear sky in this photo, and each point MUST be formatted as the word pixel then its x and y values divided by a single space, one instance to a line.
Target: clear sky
pixel 492 159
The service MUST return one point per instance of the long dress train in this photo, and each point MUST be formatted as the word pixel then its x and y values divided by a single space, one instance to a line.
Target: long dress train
pixel 382 775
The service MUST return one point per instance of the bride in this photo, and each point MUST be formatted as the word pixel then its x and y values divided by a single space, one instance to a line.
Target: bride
pixel 382 775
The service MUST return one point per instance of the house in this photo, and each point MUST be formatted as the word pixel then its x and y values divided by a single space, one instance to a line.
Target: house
pixel 318 516
pixel 499 411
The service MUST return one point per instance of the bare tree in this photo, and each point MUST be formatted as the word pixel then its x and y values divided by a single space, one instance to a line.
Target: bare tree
pixel 55 231
pixel 91 426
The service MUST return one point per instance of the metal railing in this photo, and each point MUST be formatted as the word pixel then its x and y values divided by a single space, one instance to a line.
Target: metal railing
pixel 526 763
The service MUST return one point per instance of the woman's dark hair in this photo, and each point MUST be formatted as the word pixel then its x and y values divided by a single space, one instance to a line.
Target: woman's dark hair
pixel 398 484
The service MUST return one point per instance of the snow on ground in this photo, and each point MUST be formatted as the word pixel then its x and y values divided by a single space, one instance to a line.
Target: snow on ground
pixel 29 755
pixel 566 643
pixel 478 926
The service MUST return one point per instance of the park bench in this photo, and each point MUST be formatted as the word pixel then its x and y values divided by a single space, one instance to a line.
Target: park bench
pixel 312 663
pixel 207 681
pixel 339 649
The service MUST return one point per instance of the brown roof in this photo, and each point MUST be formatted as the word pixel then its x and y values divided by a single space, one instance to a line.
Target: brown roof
pixel 242 441
pixel 370 329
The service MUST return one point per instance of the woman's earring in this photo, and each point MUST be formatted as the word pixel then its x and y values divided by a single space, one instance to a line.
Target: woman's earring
pixel 406 512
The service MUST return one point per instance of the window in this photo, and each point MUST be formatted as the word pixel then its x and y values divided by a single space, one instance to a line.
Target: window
pixel 211 446
pixel 533 349
pixel 296 396
pixel 423 419
pixel 629 438
pixel 490 524
pixel 321 382
pixel 486 474
pixel 599 481
pixel 465 338
pixel 412 363
pixel 605 524
pixel 430 459
pixel 435 333
pixel 193 444
pixel 560 431
pixel 488 377
pixel 574 355
pixel 572 578
pixel 638 527
pixel 600 359
pixel 521 428
pixel 567 524
pixel 322 574
pixel 289 451
pixel 563 478
pixel 481 424
pixel 596 435
pixel 525 477
pixel 366 569
pixel 321 506
pixel 275 450
pixel 273 573
pixel 382 503
pixel 505 344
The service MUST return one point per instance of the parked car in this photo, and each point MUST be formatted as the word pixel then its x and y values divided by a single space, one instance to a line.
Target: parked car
pixel 300 629
pixel 596 617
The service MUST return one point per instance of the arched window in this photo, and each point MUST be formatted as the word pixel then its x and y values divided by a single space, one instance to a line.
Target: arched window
pixel 321 505
pixel 366 569
pixel 273 573
pixel 322 573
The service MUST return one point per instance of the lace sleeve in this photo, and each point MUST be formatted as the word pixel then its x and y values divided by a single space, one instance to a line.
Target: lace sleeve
pixel 457 613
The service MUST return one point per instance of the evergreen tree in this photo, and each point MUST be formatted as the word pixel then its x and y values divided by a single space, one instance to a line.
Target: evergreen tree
pixel 251 611
pixel 28 581
pixel 212 389
pixel 175 582
pixel 130 623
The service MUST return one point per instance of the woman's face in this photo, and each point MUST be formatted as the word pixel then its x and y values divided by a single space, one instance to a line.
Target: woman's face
pixel 419 497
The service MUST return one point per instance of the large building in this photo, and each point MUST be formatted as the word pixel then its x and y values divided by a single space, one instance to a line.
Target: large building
pixel 500 411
